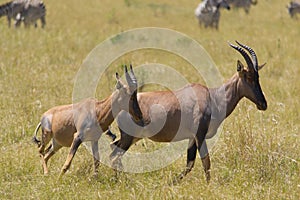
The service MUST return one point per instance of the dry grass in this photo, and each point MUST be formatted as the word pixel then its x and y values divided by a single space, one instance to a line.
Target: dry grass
pixel 257 156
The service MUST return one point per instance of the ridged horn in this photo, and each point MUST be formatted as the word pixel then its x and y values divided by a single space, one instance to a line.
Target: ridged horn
pixel 132 75
pixel 253 55
pixel 130 78
pixel 244 54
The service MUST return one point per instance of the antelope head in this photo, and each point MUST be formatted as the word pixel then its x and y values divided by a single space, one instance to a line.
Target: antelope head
pixel 249 85
pixel 126 96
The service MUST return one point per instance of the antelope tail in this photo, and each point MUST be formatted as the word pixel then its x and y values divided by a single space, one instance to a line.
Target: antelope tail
pixel 34 139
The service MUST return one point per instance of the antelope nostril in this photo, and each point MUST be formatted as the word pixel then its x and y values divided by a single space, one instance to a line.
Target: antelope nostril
pixel 262 106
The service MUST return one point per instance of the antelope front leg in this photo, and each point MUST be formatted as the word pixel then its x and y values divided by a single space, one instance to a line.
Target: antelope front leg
pixel 205 160
pixel 119 148
pixel 191 156
pixel 95 156
pixel 115 158
pixel 111 135
pixel 75 144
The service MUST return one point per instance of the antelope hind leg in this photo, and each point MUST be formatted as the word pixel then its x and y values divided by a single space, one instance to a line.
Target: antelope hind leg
pixel 50 151
pixel 96 157
pixel 75 144
pixel 205 160
pixel 191 156
pixel 206 166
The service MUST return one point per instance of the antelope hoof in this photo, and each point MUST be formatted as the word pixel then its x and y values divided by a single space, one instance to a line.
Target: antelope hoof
pixel 46 172
pixel 183 174
pixel 112 146
pixel 95 174
pixel 63 171
pixel 207 175
pixel 61 174
pixel 117 164
pixel 178 178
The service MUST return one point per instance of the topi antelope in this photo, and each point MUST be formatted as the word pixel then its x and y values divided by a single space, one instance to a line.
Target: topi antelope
pixel 246 4
pixel 194 112
pixel 208 12
pixel 70 125
pixel 27 11
pixel 294 8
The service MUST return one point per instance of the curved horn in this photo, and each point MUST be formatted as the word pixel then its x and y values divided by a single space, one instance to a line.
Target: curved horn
pixel 244 54
pixel 253 55
pixel 132 75
pixel 131 68
pixel 130 78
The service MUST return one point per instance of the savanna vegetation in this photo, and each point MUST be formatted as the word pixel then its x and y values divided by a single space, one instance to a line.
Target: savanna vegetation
pixel 257 154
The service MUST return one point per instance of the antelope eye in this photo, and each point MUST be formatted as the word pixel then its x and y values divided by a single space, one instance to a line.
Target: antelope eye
pixel 250 79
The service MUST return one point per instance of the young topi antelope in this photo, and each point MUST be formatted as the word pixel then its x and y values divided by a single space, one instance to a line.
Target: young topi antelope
pixel 70 125
pixel 194 112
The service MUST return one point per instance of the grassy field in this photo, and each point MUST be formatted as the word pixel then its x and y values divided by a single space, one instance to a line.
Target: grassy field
pixel 257 155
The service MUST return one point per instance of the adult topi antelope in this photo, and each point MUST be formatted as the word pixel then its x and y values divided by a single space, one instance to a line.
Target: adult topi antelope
pixel 70 125
pixel 194 112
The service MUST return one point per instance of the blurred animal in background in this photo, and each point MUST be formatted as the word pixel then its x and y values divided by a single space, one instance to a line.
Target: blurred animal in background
pixel 208 12
pixel 33 11
pixel 246 4
pixel 26 11
pixel 294 8
pixel 12 9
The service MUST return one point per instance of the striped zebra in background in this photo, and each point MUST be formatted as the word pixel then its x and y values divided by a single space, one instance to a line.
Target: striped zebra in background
pixel 12 9
pixel 293 8
pixel 26 11
pixel 246 4
pixel 208 12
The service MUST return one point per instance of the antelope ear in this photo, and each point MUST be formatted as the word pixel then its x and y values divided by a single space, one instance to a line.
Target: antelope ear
pixel 119 84
pixel 240 68
pixel 117 76
pixel 261 66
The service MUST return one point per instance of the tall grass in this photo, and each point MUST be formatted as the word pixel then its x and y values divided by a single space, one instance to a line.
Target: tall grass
pixel 257 156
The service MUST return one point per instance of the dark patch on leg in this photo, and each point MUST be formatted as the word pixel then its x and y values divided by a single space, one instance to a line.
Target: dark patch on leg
pixel 191 157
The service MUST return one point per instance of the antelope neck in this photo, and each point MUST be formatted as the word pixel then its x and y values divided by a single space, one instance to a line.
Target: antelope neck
pixel 104 112
pixel 226 97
